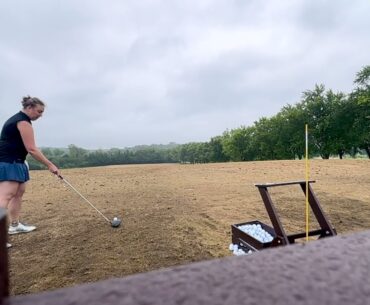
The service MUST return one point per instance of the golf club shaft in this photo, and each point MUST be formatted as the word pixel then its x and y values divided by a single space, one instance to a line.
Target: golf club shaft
pixel 83 197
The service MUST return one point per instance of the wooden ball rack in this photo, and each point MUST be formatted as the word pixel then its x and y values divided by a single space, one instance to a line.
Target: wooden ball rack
pixel 280 238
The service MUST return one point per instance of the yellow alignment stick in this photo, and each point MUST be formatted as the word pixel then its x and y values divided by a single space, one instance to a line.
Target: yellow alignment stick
pixel 307 176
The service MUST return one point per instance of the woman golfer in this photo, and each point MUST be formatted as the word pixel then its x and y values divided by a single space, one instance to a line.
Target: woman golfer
pixel 16 141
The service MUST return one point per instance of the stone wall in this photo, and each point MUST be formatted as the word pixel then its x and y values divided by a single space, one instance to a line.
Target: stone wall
pixel 333 270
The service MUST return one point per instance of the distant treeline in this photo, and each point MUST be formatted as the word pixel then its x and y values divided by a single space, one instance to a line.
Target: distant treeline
pixel 338 123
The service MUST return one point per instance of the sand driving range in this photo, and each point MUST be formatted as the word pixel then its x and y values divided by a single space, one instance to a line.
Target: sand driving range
pixel 171 214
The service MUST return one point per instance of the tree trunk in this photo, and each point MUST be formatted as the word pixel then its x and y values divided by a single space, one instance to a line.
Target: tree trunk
pixel 367 149
pixel 325 156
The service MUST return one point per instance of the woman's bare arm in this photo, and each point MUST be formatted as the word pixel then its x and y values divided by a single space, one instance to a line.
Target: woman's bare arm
pixel 27 134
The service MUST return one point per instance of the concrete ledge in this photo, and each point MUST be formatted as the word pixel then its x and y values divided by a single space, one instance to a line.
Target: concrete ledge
pixel 333 270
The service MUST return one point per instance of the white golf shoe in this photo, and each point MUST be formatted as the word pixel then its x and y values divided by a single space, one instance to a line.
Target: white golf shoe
pixel 20 228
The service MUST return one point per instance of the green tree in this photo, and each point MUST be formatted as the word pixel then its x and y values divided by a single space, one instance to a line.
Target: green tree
pixel 292 135
pixel 237 144
pixel 360 99
pixel 265 139
pixel 320 108
pixel 217 153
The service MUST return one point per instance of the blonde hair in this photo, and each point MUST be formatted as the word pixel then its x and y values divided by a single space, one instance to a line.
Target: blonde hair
pixel 31 101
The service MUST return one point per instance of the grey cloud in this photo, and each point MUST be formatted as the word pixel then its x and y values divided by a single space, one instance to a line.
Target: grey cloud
pixel 123 73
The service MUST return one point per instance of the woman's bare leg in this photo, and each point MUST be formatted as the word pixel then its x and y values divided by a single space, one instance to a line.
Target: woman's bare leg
pixel 15 203
pixel 8 189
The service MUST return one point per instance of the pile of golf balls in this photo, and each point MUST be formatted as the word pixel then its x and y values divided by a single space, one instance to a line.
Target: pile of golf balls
pixel 256 231
pixel 238 251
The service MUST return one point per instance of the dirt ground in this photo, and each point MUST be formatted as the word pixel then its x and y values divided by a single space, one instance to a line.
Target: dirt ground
pixel 172 214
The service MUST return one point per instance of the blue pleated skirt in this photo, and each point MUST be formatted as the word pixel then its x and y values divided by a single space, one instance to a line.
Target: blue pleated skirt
pixel 14 172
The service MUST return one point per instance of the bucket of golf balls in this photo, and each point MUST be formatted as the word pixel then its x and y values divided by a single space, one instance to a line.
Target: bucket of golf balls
pixel 251 236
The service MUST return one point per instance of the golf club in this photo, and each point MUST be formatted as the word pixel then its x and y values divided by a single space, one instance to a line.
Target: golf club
pixel 115 223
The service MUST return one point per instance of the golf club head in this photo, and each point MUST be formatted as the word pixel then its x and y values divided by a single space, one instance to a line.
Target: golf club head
pixel 116 222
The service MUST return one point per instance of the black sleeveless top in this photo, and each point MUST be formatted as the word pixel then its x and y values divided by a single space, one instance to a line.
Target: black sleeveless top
pixel 12 148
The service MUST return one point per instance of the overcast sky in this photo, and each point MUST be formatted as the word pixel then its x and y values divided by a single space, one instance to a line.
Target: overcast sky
pixel 118 73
